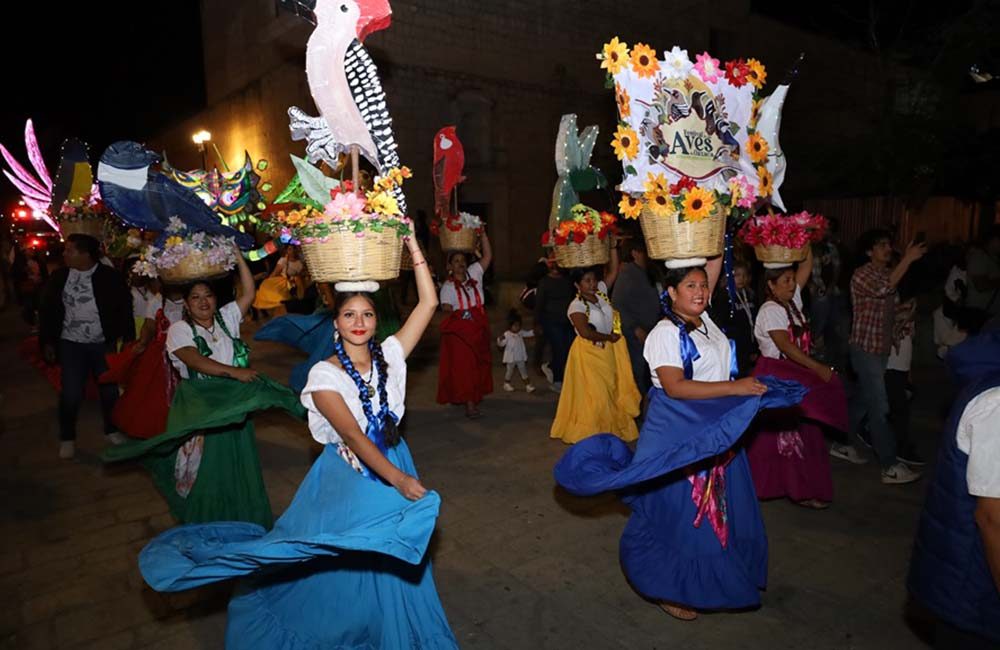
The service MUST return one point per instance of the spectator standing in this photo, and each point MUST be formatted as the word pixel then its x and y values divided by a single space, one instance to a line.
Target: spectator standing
pixel 983 269
pixel 638 302
pixel 555 293
pixel 85 311
pixel 873 295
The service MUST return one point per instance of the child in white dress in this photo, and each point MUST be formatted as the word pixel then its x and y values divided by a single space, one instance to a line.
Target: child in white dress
pixel 515 355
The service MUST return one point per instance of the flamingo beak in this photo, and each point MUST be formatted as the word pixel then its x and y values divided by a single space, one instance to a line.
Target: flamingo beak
pixel 376 15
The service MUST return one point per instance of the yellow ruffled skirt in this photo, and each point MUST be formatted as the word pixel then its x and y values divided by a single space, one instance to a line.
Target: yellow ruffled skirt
pixel 598 395
pixel 272 293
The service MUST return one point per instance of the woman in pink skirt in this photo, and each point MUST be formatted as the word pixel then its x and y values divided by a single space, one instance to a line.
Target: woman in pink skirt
pixel 787 451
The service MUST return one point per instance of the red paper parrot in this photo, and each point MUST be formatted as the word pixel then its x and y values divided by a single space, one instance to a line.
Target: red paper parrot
pixel 449 160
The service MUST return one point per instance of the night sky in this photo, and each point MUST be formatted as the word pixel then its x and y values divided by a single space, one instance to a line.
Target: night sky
pixel 100 71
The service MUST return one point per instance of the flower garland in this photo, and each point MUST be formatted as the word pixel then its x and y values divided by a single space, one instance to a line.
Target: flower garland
pixel 180 243
pixel 686 199
pixel 91 208
pixel 455 222
pixel 582 222
pixel 787 231
pixel 347 211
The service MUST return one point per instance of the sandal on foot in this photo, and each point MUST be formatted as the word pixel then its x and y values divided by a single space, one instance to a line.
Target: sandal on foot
pixel 814 504
pixel 678 612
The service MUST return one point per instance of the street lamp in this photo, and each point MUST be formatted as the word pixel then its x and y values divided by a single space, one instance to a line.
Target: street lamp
pixel 200 138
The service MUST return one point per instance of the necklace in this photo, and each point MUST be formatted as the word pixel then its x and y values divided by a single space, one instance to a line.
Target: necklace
pixel 368 382
pixel 705 331
pixel 210 331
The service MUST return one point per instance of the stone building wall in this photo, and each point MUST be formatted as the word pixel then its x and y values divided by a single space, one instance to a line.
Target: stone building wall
pixel 504 71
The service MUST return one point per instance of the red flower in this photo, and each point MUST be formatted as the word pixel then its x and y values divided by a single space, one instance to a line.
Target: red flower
pixel 435 228
pixel 546 237
pixel 685 183
pixel 560 240
pixel 345 187
pixel 737 72
pixel 579 236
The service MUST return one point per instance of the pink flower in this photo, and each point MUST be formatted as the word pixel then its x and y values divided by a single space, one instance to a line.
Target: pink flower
pixel 707 67
pixel 346 205
pixel 745 192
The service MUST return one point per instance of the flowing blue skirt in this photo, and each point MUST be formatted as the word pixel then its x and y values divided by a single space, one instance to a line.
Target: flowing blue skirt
pixel 664 555
pixel 310 333
pixel 344 568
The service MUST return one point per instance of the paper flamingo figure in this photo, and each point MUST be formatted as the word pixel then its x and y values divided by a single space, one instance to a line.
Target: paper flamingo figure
pixel 35 189
pixel 449 160
pixel 147 199
pixel 345 85
pixel 576 174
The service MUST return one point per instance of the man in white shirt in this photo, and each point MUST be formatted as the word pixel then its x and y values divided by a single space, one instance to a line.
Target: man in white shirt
pixel 86 310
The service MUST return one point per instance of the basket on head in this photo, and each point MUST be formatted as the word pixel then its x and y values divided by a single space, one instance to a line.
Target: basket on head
pixel 191 268
pixel 345 257
pixel 91 227
pixel 594 251
pixel 463 239
pixel 669 238
pixel 779 254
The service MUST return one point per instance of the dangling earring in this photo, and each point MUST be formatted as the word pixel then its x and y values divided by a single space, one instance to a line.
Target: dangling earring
pixel 336 335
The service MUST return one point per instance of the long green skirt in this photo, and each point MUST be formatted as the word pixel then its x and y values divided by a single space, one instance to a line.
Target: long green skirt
pixel 229 485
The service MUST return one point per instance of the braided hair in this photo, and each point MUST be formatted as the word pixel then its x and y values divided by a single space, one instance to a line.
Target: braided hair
pixel 796 319
pixel 390 431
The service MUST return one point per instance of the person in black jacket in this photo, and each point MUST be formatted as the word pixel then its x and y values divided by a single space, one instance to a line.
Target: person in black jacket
pixel 86 309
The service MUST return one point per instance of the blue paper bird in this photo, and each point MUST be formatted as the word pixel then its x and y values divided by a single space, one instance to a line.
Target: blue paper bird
pixel 147 199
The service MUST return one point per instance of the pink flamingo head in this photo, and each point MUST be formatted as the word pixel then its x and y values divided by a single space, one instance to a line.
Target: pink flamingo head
pixel 362 17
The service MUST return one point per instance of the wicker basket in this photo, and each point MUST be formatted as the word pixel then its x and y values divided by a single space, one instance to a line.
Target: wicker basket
pixel 463 239
pixel 780 254
pixel 92 227
pixel 592 252
pixel 667 238
pixel 192 268
pixel 345 257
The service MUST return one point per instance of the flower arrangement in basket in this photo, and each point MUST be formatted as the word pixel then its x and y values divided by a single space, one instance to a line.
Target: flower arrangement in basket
pixel 458 232
pixel 356 237
pixel 183 255
pixel 583 239
pixel 780 240
pixel 86 218
pixel 697 142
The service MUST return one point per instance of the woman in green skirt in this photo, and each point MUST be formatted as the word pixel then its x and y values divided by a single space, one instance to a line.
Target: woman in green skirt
pixel 206 463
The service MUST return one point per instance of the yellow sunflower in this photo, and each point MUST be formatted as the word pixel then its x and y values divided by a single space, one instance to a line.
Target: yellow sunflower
pixel 755 112
pixel 615 55
pixel 173 241
pixel 644 61
pixel 630 207
pixel 660 203
pixel 764 181
pixel 626 143
pixel 698 204
pixel 624 101
pixel 757 148
pixel 655 182
pixel 758 74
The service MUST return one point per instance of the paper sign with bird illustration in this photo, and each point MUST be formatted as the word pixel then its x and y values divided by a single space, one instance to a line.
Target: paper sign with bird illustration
pixel 695 122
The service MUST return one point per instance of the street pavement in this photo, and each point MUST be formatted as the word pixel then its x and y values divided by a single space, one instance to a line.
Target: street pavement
pixel 519 563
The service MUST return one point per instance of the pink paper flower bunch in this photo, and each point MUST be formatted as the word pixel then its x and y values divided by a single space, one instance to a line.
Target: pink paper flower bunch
pixel 788 231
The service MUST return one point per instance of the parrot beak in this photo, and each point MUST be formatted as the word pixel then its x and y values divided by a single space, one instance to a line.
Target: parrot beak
pixel 376 15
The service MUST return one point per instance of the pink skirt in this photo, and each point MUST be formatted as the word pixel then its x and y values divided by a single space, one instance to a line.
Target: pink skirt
pixel 787 451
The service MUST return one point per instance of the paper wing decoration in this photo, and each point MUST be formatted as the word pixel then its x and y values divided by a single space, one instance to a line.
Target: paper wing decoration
pixel 768 126
pixel 449 162
pixel 702 121
pixel 576 174
pixel 35 189
pixel 345 86
pixel 148 199
pixel 74 179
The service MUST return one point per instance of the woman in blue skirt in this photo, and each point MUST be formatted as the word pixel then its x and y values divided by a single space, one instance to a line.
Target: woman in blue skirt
pixel 695 540
pixel 346 566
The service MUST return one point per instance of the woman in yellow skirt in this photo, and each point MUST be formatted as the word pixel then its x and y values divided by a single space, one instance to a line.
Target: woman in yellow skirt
pixel 285 279
pixel 599 394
